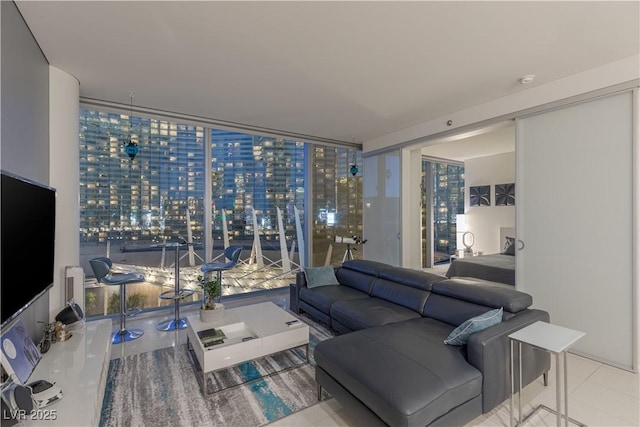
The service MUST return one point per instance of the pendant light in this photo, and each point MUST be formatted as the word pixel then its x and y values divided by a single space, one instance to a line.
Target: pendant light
pixel 132 147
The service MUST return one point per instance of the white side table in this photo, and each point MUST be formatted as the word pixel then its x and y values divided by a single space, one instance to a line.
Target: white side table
pixel 553 339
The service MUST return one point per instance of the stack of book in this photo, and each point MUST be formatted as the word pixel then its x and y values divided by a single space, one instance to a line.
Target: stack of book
pixel 212 336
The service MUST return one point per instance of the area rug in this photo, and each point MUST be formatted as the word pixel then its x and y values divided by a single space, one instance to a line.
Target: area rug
pixel 161 388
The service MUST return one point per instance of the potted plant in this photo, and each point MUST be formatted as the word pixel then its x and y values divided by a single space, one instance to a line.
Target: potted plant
pixel 210 310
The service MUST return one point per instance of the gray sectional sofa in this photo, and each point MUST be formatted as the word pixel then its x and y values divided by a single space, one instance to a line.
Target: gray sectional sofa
pixel 390 364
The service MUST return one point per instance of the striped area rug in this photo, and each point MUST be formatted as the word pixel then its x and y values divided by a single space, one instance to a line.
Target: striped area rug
pixel 161 388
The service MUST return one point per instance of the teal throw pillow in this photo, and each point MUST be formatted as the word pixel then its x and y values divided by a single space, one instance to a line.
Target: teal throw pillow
pixel 460 335
pixel 320 276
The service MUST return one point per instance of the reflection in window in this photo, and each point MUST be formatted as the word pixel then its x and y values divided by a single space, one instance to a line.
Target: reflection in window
pixel 445 182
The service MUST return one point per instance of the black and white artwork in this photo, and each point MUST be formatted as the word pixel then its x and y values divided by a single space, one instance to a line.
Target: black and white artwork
pixel 506 194
pixel 480 195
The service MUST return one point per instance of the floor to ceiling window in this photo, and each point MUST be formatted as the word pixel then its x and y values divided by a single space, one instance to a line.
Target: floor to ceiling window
pixel 337 204
pixel 256 174
pixel 443 199
pixel 131 204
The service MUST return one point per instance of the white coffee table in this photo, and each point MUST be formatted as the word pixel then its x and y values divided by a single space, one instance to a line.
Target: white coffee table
pixel 251 331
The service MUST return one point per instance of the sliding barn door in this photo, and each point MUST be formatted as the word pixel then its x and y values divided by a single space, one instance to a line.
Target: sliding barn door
pixel 575 207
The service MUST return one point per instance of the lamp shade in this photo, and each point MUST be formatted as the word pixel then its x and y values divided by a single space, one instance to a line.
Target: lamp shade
pixel 461 228
pixel 461 223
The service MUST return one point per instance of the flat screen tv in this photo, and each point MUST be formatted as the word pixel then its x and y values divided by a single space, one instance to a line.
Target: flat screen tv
pixel 27 243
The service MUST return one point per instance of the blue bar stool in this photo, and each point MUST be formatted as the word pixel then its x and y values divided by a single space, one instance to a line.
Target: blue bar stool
pixel 232 253
pixel 175 295
pixel 102 270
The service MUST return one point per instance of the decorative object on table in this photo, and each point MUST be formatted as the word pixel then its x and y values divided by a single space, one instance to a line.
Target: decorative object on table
pixel 468 239
pixel 19 353
pixel 480 195
pixel 71 314
pixel 211 337
pixel 44 393
pixel 210 310
pixel 48 338
pixel 61 332
pixel 232 253
pixel 506 194
pixel 461 229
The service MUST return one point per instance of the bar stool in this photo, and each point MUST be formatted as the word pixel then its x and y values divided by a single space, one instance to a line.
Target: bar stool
pixel 232 253
pixel 177 294
pixel 102 270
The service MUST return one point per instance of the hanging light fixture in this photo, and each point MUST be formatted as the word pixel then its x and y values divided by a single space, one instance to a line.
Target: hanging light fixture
pixel 132 147
pixel 354 166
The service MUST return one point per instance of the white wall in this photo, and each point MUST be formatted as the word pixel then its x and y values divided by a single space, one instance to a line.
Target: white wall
pixel 24 123
pixel 25 100
pixel 485 221
pixel 64 175
pixel 607 75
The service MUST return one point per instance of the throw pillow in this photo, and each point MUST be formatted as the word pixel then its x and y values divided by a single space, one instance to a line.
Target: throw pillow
pixel 509 246
pixel 460 335
pixel 320 276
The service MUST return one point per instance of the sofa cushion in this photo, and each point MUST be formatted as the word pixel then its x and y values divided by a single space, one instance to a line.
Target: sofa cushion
pixel 356 279
pixel 414 278
pixel 320 276
pixel 367 312
pixel 428 378
pixel 406 296
pixel 482 293
pixel 324 296
pixel 371 268
pixel 461 334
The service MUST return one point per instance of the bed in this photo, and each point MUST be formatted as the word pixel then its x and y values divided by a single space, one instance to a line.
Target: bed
pixel 500 267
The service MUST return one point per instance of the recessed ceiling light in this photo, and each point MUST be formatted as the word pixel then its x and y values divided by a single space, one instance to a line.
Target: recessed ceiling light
pixel 527 79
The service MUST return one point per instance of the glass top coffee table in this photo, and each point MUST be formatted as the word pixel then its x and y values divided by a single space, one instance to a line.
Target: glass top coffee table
pixel 243 334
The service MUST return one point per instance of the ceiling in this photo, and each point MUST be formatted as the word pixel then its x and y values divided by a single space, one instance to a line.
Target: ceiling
pixel 499 141
pixel 347 71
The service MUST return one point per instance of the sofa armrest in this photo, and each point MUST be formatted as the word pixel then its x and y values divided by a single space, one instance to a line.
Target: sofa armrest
pixel 488 351
pixel 301 280
pixel 294 292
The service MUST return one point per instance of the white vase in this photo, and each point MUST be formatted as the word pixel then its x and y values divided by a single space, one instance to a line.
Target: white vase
pixel 209 316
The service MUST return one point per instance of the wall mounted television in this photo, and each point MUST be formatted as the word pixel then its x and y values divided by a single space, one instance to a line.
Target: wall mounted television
pixel 27 243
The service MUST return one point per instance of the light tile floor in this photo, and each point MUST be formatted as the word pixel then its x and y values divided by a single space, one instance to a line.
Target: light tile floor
pixel 599 395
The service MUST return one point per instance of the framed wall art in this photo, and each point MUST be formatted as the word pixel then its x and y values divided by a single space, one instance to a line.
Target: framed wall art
pixel 480 195
pixel 506 194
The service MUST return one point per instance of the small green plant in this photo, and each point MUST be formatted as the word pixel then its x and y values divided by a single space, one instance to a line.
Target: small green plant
pixel 211 291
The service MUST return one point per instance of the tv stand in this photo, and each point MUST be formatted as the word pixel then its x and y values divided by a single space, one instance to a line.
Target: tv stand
pixel 78 367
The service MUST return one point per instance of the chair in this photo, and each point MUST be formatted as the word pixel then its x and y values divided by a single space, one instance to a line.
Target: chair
pixel 232 253
pixel 102 270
